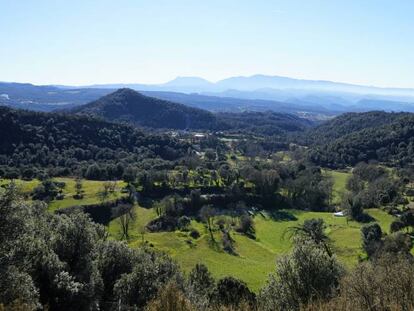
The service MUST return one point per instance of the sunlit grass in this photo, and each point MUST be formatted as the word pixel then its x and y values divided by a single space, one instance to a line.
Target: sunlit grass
pixel 256 258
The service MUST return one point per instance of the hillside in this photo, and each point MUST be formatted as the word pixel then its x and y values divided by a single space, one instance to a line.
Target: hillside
pixel 355 137
pixel 133 107
pixel 65 144
pixel 266 123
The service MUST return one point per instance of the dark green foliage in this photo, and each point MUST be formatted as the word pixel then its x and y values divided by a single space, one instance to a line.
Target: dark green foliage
pixel 130 106
pixel 151 272
pixel 56 262
pixel 65 144
pixel 307 274
pixel 371 238
pixel 264 123
pixel 353 138
pixel 232 292
pixel 307 189
pixel 354 208
pixel 46 191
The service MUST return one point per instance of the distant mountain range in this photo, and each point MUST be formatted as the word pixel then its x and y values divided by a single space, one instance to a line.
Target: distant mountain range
pixel 311 98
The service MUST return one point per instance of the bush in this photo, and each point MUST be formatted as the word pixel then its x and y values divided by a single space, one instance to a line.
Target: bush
pixel 233 293
pixel 246 226
pixel 194 234
pixel 183 222
pixel 307 274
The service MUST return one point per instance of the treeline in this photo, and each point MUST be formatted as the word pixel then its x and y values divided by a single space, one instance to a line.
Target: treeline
pixel 263 123
pixel 56 262
pixel 353 138
pixel 67 145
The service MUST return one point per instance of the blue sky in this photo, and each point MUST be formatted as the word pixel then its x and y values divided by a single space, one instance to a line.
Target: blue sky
pixel 126 41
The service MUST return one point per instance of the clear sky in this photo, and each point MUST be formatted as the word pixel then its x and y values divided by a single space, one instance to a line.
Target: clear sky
pixel 132 41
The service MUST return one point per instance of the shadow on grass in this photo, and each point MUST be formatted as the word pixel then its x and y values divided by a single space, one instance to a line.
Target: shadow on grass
pixel 282 216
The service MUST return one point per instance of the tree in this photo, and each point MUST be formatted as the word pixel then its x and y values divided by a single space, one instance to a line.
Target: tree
pixel 127 215
pixel 207 213
pixel 200 285
pixel 308 273
pixel 231 292
pixel 78 188
pixel 383 284
pixel 103 194
pixel 371 238
pixel 151 272
pixel 246 226
pixel 313 230
pixel 46 191
pixel 114 259
pixel 94 172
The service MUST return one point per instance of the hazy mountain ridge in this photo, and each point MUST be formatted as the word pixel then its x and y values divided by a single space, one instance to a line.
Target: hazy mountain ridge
pixel 281 94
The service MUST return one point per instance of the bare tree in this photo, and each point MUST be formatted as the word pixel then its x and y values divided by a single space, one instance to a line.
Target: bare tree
pixel 127 216
pixel 207 213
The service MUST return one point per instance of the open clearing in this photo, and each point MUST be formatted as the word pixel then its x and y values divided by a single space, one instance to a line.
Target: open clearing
pixel 256 258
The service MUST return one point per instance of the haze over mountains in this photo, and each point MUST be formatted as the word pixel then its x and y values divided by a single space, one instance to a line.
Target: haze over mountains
pixel 317 99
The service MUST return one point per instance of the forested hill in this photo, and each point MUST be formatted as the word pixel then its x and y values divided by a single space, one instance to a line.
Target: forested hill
pixel 355 137
pixel 263 123
pixel 133 107
pixel 126 105
pixel 69 144
pixel 348 123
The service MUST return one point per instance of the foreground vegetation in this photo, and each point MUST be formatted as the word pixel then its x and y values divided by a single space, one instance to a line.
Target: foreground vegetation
pixel 58 261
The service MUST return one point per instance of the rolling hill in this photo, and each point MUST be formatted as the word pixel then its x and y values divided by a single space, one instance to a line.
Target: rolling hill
pixel 132 107
pixel 356 137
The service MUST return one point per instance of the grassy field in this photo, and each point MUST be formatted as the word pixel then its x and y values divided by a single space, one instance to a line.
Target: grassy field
pixel 25 186
pixel 256 258
pixel 91 189
pixel 339 180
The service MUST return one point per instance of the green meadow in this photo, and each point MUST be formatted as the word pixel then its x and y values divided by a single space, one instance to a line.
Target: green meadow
pixel 255 258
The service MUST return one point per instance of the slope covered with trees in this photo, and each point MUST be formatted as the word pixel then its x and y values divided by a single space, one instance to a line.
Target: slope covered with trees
pixel 133 107
pixel 352 138
pixel 66 144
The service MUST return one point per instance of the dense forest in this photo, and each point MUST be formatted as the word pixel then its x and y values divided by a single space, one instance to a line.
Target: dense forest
pixel 70 145
pixel 353 138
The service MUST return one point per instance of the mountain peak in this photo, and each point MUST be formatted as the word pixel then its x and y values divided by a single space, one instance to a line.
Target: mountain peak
pixel 188 81
pixel 133 107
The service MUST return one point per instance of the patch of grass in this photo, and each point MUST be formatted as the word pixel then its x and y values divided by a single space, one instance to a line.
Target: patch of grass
pixel 26 186
pixel 91 189
pixel 256 258
pixel 339 183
